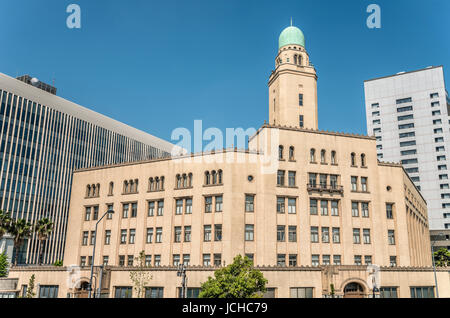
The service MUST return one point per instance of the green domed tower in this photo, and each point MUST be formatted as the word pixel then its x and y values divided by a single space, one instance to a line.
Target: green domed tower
pixel 293 83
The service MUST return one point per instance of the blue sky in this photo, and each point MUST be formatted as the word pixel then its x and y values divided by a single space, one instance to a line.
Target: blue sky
pixel 158 65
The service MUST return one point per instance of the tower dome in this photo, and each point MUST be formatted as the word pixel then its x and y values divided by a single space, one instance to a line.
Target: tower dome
pixel 291 35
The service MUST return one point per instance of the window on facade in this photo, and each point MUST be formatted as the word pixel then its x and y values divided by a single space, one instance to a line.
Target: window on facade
pixel 281 260
pixel 326 259
pixel 325 235
pixel 107 237
pixel 291 178
pixel 158 235
pixel 219 203
pixel 368 259
pixel 280 204
pixel 422 292
pixel 336 259
pixel 312 155
pixel 177 234
pixel 301 292
pixel 125 210
pixel 179 206
pixel 249 203
pixel 336 235
pixel 354 183
pixel 292 233
pixel 334 208
pixel 355 209
pixel 391 237
pixel 249 232
pixel 314 234
pixel 323 207
pixel 292 260
pixel 315 260
pixel 364 209
pixel 85 238
pixel 312 179
pixel 132 236
pixel 154 292
pixel 313 206
pixel 217 232
pixel 280 152
pixel 292 203
pixel 217 259
pixel 358 260
pixel 187 233
pixel 280 177
pixel 291 153
pixel 333 157
pixel 366 236
pixel 48 291
pixel 281 233
pixel 356 236
pixel 322 156
pixel 300 99
pixel 149 238
pixel 388 292
pixel 160 211
pixel 300 121
pixel 353 159
pixel 363 160
pixel 208 204
pixel 207 233
pixel 123 236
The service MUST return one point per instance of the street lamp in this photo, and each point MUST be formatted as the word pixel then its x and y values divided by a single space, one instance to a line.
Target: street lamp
pixel 93 252
pixel 440 235
pixel 182 273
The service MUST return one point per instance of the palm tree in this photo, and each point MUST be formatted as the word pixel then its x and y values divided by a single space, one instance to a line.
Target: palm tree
pixel 21 230
pixel 43 228
pixel 5 222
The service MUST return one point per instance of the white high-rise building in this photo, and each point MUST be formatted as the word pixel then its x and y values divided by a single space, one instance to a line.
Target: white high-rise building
pixel 409 114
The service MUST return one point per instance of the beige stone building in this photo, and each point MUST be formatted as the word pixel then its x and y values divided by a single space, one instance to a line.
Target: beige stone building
pixel 315 210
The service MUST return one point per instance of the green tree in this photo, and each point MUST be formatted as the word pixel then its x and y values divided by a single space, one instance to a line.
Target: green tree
pixel 43 228
pixel 5 222
pixel 237 280
pixel 3 265
pixel 21 230
pixel 442 257
pixel 30 288
pixel 140 275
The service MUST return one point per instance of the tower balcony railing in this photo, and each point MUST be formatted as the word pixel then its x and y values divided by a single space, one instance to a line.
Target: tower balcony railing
pixel 321 187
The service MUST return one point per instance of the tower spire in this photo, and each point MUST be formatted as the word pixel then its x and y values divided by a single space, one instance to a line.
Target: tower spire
pixel 291 21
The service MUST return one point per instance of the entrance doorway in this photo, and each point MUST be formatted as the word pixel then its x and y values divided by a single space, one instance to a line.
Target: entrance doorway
pixel 354 290
pixel 82 291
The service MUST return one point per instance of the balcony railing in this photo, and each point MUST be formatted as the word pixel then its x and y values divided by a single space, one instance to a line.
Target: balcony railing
pixel 325 187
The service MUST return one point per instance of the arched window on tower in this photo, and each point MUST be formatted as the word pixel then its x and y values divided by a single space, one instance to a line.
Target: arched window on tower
pixel 363 160
pixel 299 60
pixel 151 184
pixel 219 176
pixel 190 180
pixel 88 190
pixel 207 178
pixel 280 152
pixel 111 188
pixel 157 183
pixel 184 180
pixel 214 177
pixel 333 157
pixel 353 159
pixel 295 59
pixel 162 183
pixel 178 180
pixel 312 155
pixel 291 153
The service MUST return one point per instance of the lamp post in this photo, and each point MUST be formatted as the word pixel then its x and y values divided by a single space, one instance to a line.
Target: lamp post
pixel 93 252
pixel 182 273
pixel 434 265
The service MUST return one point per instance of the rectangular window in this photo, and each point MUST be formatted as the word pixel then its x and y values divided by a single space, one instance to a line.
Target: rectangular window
pixel 336 259
pixel 208 204
pixel 302 292
pixel 323 207
pixel 132 236
pixel 403 100
pixel 291 178
pixel 85 238
pixel 160 211
pixel 149 235
pixel 249 232
pixel 292 260
pixel 217 232
pixel 48 291
pixel 406 126
pixel 130 260
pixel 281 260
pixel 151 208
pixel 388 292
pixel 356 236
pixel 434 95
pixel 87 215
pixel 186 259
pixel 435 112
pixel 355 209
pixel 176 259
pixel 375 105
pixel 300 99
pixel 404 109
pixel 422 292
pixel 177 234
pixel 325 259
pixel 354 183
pixel 407 143
pixel 405 117
pixel 292 233
pixel 408 152
pixel 280 177
pixel 154 292
pixel 437 122
pixel 207 233
pixel 292 203
pixel 408 134
pixel 219 203
pixel 123 292
pixel 325 235
pixel 376 113
pixel 408 161
pixel 107 237
pixel 125 209
pixel 95 216
pixel 280 204
pixel 335 208
pixel 281 233
pixel 301 122
pixel 391 237
pixel 206 259
pixel 157 260
pixel 358 260
pixel 159 235
pixel 364 209
pixel 314 234
pixel 249 203
pixel 121 260
pixel 217 259
pixel 178 206
pixel 187 233
pixel 315 260
pixel 366 236
pixel 188 206
pixel 134 209
pixel 336 235
pixel 123 236
pixel 313 206
pixel 364 184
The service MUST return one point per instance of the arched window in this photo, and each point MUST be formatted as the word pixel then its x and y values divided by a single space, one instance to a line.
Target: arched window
pixel 190 180
pixel 219 176
pixel 136 183
pixel 363 160
pixel 291 153
pixel 98 190
pixel 280 152
pixel 130 186
pixel 333 157
pixel 214 177
pixel 178 181
pixel 125 186
pixel 93 191
pixel 299 60
pixel 353 159
pixel 151 184
pixel 184 180
pixel 312 155
pixel 111 188
pixel 322 156
pixel 157 183
pixel 88 190
pixel 162 183
pixel 207 178
pixel 295 59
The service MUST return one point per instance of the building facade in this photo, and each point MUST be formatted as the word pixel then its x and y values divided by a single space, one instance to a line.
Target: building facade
pixel 44 138
pixel 315 211
pixel 408 113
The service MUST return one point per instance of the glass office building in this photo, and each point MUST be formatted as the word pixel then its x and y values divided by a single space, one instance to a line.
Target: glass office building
pixel 44 138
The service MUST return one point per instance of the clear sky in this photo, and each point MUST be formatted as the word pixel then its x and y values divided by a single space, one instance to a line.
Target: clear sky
pixel 158 65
